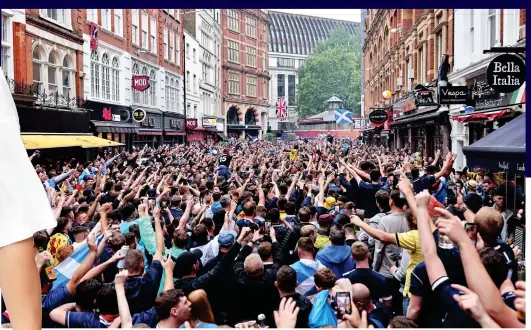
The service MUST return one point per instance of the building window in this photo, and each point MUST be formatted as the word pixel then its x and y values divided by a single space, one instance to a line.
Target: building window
pixel 264 32
pixel 94 74
pixel 204 72
pixel 153 33
pixel 152 88
pixel 52 73
pixel 106 19
pixel 172 92
pixel 106 77
pixel 6 44
pixel 195 109
pixel 115 75
pixel 92 15
pixel 422 74
pixel 234 83
pixel 172 47
pixel 145 24
pixel 195 84
pixel 492 27
pixel 136 94
pixel 177 49
pixel 439 41
pixel 250 26
pixel 265 89
pixel 286 62
pixel 281 91
pixel 67 77
pixel 291 89
pixel 145 99
pixel 188 80
pixel 251 86
pixel 264 61
pixel 134 15
pixel 251 56
pixel 233 20
pixel 61 16
pixel 165 43
pixel 118 21
pixel 234 51
pixel 194 55
pixel 188 51
pixel 471 32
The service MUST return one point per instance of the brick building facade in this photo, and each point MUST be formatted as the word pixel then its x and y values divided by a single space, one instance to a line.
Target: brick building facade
pixel 402 50
pixel 245 77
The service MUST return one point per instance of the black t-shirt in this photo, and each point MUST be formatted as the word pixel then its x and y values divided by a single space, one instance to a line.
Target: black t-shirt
pixel 370 189
pixel 374 281
pixel 379 317
pixel 431 313
pixel 225 160
pixel 455 317
pixel 422 183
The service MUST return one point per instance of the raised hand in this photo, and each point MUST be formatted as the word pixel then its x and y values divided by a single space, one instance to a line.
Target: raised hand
pixel 286 316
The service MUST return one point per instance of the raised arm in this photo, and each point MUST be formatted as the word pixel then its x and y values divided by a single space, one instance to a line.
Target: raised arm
pixel 85 266
pixel 376 233
pixel 123 306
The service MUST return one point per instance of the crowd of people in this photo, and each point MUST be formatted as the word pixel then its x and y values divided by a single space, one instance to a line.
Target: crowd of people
pixel 322 233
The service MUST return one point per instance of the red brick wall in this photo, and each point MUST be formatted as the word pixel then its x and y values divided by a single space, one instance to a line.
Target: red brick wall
pixel 522 17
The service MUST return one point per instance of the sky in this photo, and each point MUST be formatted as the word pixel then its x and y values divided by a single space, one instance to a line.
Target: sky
pixel 353 15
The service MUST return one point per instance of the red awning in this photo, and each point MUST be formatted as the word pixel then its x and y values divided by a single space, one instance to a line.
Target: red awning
pixel 480 116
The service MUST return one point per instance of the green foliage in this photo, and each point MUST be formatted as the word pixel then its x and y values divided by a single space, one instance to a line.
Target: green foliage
pixel 332 69
pixel 270 137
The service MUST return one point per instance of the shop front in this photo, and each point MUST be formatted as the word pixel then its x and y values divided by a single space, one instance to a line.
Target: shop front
pixel 241 125
pixel 150 131
pixel 419 124
pixel 174 129
pixel 113 122
pixel 486 111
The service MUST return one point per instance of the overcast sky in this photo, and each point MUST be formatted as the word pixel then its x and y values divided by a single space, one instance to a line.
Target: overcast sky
pixel 353 15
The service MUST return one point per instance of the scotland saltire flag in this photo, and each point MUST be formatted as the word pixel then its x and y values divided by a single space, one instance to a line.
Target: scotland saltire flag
pixel 343 116
pixel 305 278
pixel 66 269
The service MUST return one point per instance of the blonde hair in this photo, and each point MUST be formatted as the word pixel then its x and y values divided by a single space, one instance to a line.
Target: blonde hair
pixel 253 265
pixel 64 252
pixel 200 308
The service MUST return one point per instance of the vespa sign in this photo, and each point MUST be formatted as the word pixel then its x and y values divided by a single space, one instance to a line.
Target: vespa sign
pixel 140 83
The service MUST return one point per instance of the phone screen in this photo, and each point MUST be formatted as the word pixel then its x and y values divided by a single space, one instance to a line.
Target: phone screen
pixel 267 227
pixel 343 304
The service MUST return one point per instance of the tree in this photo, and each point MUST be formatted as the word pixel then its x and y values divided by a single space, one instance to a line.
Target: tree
pixel 332 69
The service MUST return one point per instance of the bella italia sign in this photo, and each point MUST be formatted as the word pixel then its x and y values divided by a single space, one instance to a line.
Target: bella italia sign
pixel 506 73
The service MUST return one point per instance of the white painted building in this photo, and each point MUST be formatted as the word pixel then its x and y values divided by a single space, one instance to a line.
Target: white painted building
pixel 292 39
pixel 479 30
pixel 192 75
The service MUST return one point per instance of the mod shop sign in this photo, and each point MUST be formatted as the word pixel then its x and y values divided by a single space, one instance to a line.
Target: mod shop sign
pixel 140 83
pixel 506 73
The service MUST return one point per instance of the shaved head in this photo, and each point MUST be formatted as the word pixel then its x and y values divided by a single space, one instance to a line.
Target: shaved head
pixel 361 296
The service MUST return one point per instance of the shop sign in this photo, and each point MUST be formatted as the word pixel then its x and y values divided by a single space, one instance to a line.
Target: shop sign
pixel 409 105
pixel 506 73
pixel 191 123
pixel 482 90
pixel 209 123
pixel 108 115
pixel 423 96
pixel 140 83
pixel 139 115
pixel 378 116
pixel 454 95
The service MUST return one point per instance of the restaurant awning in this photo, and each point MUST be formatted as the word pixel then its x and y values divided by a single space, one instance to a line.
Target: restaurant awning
pixel 503 149
pixel 47 141
pixel 114 127
pixel 482 116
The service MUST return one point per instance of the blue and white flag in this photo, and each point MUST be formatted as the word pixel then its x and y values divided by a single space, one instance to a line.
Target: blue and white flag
pixel 66 269
pixel 343 116
pixel 305 271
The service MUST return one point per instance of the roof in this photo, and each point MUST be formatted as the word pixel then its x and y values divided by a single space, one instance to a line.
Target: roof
pixel 505 147
pixel 298 34
pixel 327 115
pixel 333 99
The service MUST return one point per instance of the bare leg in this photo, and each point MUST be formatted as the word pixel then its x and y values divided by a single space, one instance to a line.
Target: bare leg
pixel 20 284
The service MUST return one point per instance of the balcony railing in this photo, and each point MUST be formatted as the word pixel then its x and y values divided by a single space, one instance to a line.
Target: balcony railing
pixel 32 93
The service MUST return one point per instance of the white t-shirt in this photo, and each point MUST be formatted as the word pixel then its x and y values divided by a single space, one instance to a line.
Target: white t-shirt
pixel 24 207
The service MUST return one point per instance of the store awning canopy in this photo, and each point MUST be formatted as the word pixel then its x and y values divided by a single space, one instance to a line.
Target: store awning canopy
pixel 503 149
pixel 491 116
pixel 114 127
pixel 47 141
pixel 223 136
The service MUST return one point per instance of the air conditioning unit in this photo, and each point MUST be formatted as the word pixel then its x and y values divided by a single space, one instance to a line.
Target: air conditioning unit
pixel 411 73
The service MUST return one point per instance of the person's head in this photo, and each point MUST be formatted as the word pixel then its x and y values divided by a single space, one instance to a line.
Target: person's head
pixel 375 175
pixel 395 201
pixel 86 293
pixel 261 211
pixel 173 306
pixel 309 231
pixel 290 208
pixel 495 264
pixel 305 248
pixel 249 209
pixel 80 233
pixel 134 262
pixel 360 254
pixel 63 225
pixel 350 232
pixel 253 265
pixel 106 300
pixel 187 264
pixel 304 214
pixel 200 234
pixel 281 203
pixel 402 322
pixel 68 212
pixel 116 241
pixel 431 170
pixel 224 201
pixel 265 251
pixel 337 236
pixel 201 309
pixel 40 240
pixel 489 224
pixel 361 297
pixel 499 198
pixel 130 240
pixel 382 200
pixel 411 220
pixel 472 185
pixel 286 280
pixel 180 239
pixel 64 252
pixel 325 279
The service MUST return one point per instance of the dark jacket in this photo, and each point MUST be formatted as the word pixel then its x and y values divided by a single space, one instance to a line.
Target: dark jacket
pixel 256 295
pixel 201 282
pixel 305 307
pixel 141 291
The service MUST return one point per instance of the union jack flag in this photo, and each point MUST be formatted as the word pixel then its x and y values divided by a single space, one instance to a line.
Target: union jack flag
pixel 93 36
pixel 282 110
